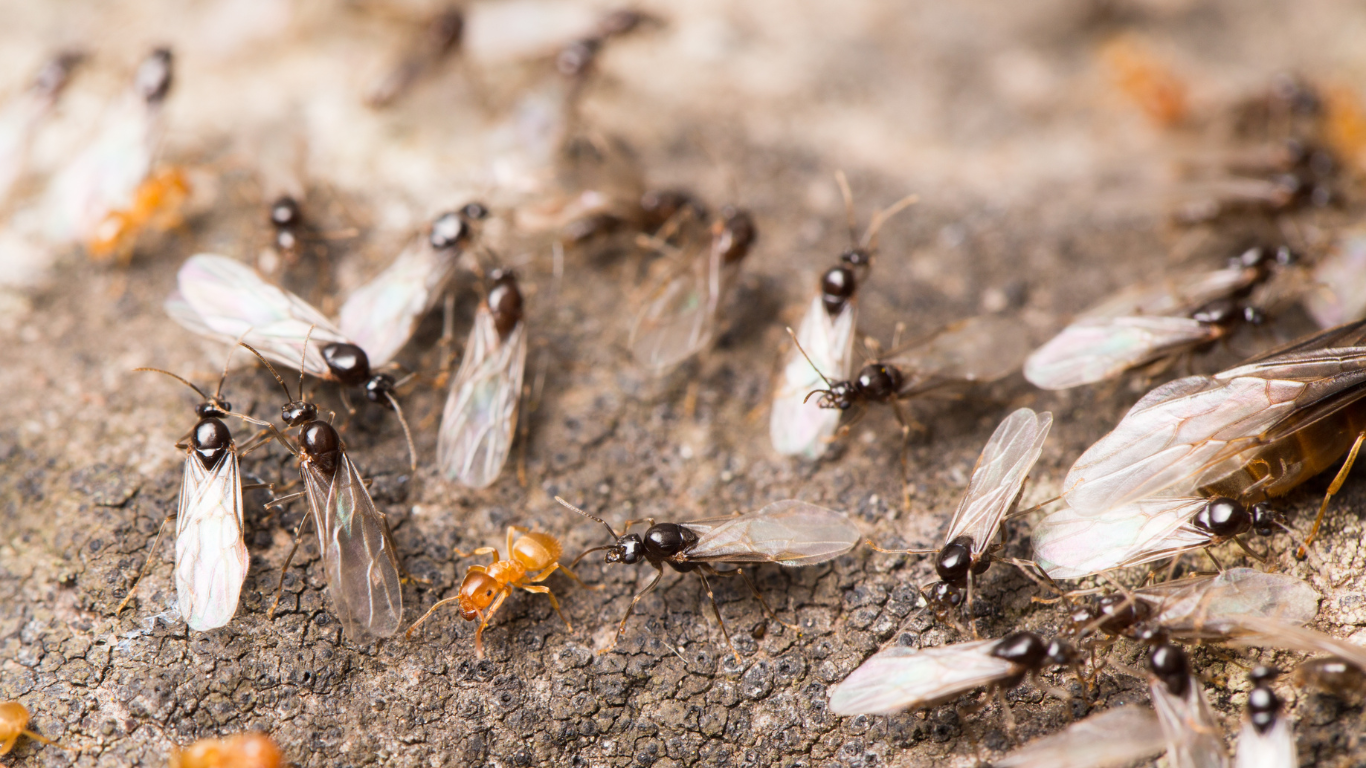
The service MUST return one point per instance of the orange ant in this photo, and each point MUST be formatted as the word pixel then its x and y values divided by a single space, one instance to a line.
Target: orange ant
pixel 158 205
pixel 532 557
pixel 244 750
pixel 14 719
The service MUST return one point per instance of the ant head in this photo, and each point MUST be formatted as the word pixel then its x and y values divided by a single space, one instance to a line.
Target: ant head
pixel 629 549
pixel 477 592
pixel 378 388
pixel 284 212
pixel 857 257
pixel 1061 653
pixel 841 395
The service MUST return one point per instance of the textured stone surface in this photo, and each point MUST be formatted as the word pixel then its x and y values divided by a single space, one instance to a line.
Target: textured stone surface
pixel 1040 190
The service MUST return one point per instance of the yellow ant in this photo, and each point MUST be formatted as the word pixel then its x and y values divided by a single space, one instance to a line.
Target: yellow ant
pixel 532 557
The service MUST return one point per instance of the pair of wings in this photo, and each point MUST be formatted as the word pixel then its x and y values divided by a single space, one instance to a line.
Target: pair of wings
pixel 1229 604
pixel 980 349
pixel 358 557
pixel 792 533
pixel 902 678
pixel 1115 737
pixel 798 426
pixel 210 555
pixel 1192 431
pixel 1136 326
pixel 1194 736
pixel 104 177
pixel 480 419
pixel 220 298
pixel 999 476
pixel 679 318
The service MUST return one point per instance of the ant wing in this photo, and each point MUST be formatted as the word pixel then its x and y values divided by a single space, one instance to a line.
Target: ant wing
pixel 1291 637
pixel 1217 607
pixel 362 570
pixel 1069 544
pixel 1089 351
pixel 1174 296
pixel 222 299
pixel 798 425
pixel 1338 290
pixel 1193 733
pixel 480 419
pixel 999 476
pixel 979 349
pixel 679 319
pixel 210 556
pixel 1193 431
pixel 1273 749
pixel 21 116
pixel 1117 736
pixel 902 678
pixel 791 533
pixel 381 315
pixel 104 177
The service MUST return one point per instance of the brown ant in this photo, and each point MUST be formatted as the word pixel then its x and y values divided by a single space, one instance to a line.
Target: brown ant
pixel 532 557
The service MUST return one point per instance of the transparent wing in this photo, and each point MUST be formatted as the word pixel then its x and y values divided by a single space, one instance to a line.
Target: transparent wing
pixel 1218 607
pixel 902 678
pixel 999 475
pixel 1094 350
pixel 1114 737
pixel 381 315
pixel 105 175
pixel 480 419
pixel 362 570
pixel 799 427
pixel 1178 433
pixel 1195 739
pixel 1173 296
pixel 1291 637
pixel 785 532
pixel 221 298
pixel 679 319
pixel 210 555
pixel 1339 291
pixel 980 349
pixel 1070 545
pixel 1273 749
pixel 19 117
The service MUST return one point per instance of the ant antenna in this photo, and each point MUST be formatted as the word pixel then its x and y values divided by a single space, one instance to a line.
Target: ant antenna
pixel 882 217
pixel 830 386
pixel 615 535
pixel 269 367
pixel 849 216
pixel 303 358
pixel 218 392
pixel 412 452
pixel 197 390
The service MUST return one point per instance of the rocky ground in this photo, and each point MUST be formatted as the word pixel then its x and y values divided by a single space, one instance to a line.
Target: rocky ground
pixel 1043 188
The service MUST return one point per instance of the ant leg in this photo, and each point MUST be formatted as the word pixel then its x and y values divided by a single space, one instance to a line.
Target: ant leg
pixel 484 620
pixel 428 614
pixel 701 574
pixel 1243 545
pixel 1217 564
pixel 629 523
pixel 764 603
pixel 145 566
pixel 565 570
pixel 972 618
pixel 280 501
pixel 513 530
pixel 477 552
pixel 905 463
pixel 659 574
pixel 1005 708
pixel 280 590
pixel 1333 488
pixel 543 590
